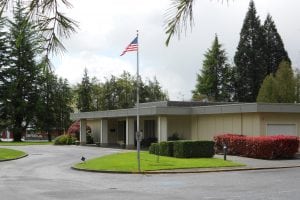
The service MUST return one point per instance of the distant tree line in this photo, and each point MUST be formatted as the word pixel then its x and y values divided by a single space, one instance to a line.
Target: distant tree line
pixel 115 92
pixel 257 60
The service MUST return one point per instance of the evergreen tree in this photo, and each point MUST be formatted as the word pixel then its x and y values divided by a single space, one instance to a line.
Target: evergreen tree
pixel 250 58
pixel 286 83
pixel 281 88
pixel 45 111
pixel 274 49
pixel 84 103
pixel 268 91
pixel 62 104
pixel 297 82
pixel 214 80
pixel 4 62
pixel 20 90
pixel 54 106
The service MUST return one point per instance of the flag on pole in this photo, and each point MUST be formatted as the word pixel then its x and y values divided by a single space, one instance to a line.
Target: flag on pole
pixel 133 46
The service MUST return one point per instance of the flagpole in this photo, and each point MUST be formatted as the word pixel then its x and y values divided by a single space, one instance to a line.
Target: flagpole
pixel 138 133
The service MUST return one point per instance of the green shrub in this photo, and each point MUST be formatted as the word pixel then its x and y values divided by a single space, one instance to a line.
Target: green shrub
pixel 165 148
pixel 153 148
pixel 162 148
pixel 193 149
pixel 64 140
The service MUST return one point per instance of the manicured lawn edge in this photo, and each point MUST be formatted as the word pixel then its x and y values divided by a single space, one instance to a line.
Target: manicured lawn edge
pixel 178 165
pixel 4 144
pixel 210 170
pixel 15 158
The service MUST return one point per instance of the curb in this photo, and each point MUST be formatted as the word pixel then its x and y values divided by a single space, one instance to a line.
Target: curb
pixel 14 158
pixel 182 171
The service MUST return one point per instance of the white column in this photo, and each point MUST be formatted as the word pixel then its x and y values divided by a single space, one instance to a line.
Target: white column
pixel 104 132
pixel 162 128
pixel 83 131
pixel 129 133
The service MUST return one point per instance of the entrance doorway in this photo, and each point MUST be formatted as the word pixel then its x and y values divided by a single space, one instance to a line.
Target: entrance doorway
pixel 121 132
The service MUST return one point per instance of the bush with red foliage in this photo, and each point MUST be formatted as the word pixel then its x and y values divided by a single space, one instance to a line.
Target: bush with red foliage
pixel 264 147
pixel 74 129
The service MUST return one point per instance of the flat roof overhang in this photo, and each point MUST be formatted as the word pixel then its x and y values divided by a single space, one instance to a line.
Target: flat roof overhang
pixel 159 109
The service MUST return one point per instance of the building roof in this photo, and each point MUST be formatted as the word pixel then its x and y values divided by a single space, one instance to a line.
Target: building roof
pixel 190 108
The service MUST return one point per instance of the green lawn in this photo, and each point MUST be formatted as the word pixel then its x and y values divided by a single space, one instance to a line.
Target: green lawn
pixel 10 154
pixel 127 162
pixel 24 143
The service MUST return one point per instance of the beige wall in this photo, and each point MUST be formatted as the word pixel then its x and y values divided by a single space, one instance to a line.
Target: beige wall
pixel 180 125
pixel 204 127
pixel 279 118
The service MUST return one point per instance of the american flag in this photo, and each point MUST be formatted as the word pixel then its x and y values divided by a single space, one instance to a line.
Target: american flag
pixel 133 46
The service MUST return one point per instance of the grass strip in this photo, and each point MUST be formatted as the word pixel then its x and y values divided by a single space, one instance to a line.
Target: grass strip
pixel 24 143
pixel 10 154
pixel 127 162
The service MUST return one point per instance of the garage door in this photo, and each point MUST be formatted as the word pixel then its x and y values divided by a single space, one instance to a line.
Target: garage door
pixel 281 129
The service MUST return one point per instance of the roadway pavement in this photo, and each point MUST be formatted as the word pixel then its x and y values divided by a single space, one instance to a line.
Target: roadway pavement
pixel 46 175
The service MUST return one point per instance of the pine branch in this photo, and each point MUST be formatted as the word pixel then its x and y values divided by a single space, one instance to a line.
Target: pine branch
pixel 178 17
pixel 52 23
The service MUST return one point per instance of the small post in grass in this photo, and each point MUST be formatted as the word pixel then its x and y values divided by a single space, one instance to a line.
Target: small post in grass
pixel 225 151
pixel 157 153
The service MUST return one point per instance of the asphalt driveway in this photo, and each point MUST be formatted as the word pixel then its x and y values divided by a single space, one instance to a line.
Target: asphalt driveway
pixel 46 174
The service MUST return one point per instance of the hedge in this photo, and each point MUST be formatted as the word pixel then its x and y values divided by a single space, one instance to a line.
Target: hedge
pixel 194 149
pixel 162 148
pixel 264 147
pixel 183 149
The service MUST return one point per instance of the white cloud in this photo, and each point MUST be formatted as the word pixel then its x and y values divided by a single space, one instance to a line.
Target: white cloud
pixel 100 67
pixel 106 27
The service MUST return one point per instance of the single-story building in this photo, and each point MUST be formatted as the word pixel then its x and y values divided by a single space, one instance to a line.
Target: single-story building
pixel 189 120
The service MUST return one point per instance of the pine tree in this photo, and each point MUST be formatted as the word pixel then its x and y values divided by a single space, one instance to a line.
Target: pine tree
pixel 4 62
pixel 213 82
pixel 22 75
pixel 250 58
pixel 46 103
pixel 84 103
pixel 274 49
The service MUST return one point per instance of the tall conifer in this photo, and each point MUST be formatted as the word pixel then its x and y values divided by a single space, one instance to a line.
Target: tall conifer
pixel 250 58
pixel 22 75
pixel 274 48
pixel 213 81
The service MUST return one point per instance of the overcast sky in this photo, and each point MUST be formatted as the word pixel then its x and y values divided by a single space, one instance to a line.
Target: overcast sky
pixel 107 27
